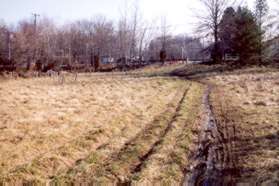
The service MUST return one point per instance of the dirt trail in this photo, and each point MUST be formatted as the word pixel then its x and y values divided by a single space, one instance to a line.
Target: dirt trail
pixel 213 162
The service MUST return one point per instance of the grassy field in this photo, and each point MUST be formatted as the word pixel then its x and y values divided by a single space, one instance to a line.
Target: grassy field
pixel 246 107
pixel 100 123
pixel 142 126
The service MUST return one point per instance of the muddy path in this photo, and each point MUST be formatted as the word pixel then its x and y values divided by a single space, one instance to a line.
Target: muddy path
pixel 238 143
pixel 213 162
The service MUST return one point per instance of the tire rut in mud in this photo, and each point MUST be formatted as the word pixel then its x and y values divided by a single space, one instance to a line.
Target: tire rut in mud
pixel 213 163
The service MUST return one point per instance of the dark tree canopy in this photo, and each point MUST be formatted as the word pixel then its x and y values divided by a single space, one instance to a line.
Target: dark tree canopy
pixel 227 29
pixel 246 41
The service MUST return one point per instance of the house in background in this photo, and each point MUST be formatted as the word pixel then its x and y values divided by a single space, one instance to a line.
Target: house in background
pixel 107 60
pixel 272 48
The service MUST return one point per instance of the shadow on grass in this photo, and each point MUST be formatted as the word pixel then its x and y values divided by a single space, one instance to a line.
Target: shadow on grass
pixel 200 71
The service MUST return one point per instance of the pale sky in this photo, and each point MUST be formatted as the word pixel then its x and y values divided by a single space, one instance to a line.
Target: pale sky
pixel 179 13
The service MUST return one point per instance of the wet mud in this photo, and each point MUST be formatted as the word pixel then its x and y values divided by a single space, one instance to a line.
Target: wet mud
pixel 213 162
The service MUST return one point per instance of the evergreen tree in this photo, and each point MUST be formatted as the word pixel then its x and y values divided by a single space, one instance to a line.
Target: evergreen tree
pixel 227 30
pixel 246 36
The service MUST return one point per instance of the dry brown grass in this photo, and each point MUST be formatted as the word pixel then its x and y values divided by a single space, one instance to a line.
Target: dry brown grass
pixel 136 126
pixel 121 164
pixel 170 158
pixel 247 110
pixel 245 103
pixel 246 106
pixel 157 154
pixel 156 70
pixel 46 127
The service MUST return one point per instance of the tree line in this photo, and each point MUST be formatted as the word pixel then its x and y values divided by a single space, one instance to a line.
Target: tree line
pixel 234 30
pixel 238 31
pixel 130 39
pixel 79 41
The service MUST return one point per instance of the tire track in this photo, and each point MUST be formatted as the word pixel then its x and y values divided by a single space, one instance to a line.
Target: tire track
pixel 92 140
pixel 168 160
pixel 214 162
pixel 121 165
pixel 138 168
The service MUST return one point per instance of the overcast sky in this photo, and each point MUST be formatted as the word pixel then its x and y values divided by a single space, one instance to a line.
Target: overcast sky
pixel 179 13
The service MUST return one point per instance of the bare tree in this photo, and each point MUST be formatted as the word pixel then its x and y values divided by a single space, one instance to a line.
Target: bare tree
pixel 123 35
pixel 81 41
pixel 47 43
pixel 24 42
pixel 273 16
pixel 134 31
pixel 103 35
pixel 164 34
pixel 140 33
pixel 142 36
pixel 210 21
pixel 4 40
pixel 261 13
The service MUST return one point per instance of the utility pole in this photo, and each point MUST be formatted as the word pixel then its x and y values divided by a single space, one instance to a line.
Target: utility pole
pixel 182 53
pixel 35 35
pixel 9 45
pixel 35 21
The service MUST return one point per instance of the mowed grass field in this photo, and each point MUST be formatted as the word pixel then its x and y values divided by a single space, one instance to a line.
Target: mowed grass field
pixel 100 128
